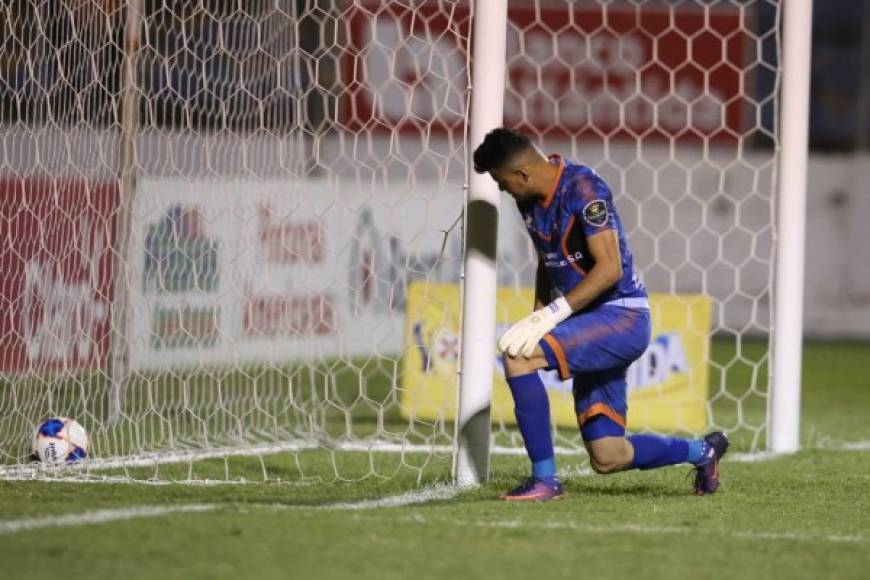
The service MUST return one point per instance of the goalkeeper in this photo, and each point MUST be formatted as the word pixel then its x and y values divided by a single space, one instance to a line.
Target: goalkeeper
pixel 591 321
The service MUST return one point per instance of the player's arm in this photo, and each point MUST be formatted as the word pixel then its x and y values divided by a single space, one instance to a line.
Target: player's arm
pixel 607 271
pixel 543 287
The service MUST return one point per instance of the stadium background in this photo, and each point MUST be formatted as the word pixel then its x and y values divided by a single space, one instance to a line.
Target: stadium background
pixel 789 517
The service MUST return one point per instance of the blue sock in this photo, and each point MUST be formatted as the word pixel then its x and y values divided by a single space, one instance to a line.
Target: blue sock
pixel 544 469
pixel 651 451
pixel 532 408
pixel 697 451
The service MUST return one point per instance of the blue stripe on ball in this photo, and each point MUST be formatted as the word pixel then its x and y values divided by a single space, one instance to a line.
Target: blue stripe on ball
pixel 51 428
pixel 76 454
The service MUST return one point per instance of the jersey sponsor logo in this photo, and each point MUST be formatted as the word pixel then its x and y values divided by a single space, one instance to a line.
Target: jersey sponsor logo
pixel 595 213
pixel 558 260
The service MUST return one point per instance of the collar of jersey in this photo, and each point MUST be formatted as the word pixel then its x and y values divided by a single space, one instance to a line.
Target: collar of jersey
pixel 545 203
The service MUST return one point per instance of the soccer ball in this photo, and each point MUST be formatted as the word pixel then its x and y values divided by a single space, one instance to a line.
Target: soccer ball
pixel 60 440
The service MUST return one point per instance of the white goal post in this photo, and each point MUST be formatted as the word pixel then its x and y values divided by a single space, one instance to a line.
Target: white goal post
pixel 235 233
pixel 471 464
pixel 784 407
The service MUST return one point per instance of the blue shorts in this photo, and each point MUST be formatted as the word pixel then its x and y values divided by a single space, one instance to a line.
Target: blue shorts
pixel 596 348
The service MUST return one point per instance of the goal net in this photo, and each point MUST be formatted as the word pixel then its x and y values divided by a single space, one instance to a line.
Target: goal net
pixel 232 232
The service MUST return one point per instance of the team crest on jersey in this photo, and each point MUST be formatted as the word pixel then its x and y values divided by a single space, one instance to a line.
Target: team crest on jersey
pixel 595 213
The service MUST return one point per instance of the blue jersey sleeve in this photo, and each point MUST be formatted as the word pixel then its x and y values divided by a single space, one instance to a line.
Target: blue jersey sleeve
pixel 591 203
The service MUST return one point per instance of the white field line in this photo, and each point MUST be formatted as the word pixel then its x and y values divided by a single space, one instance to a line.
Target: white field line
pixel 436 493
pixel 750 457
pixel 91 467
pixel 853 446
pixel 100 517
pixel 92 478
pixel 641 529
pixel 862 445
pixel 575 471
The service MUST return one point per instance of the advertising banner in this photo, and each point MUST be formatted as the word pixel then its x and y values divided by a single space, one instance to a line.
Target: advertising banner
pixel 56 260
pixel 252 271
pixel 667 385
pixel 618 69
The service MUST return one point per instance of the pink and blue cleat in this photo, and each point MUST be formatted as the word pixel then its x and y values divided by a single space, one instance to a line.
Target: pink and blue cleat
pixel 707 472
pixel 533 489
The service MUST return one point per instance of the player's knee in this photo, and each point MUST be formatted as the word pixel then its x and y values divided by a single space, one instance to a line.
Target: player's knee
pixel 604 462
pixel 603 467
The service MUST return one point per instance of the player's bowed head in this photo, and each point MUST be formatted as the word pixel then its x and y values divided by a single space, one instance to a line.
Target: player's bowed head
pixel 515 164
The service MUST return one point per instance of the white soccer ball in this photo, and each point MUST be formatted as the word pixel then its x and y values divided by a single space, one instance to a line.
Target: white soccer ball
pixel 60 440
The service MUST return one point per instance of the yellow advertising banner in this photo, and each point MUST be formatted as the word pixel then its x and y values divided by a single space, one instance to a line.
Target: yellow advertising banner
pixel 667 385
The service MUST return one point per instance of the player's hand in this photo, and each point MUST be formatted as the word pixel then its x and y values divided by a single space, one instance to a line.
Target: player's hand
pixel 522 337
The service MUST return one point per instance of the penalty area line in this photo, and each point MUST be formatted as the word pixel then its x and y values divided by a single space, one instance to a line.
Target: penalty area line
pixel 436 493
pixel 642 529
pixel 100 517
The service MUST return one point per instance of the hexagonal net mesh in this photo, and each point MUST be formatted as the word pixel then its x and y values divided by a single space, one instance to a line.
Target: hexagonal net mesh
pixel 233 230
pixel 674 105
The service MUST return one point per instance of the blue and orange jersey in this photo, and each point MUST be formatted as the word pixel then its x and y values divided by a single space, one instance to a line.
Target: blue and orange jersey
pixel 580 205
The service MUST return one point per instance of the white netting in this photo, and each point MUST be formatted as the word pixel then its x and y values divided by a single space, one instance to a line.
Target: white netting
pixel 674 104
pixel 297 165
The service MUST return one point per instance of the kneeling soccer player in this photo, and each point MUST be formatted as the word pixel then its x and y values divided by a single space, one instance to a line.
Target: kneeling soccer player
pixel 598 324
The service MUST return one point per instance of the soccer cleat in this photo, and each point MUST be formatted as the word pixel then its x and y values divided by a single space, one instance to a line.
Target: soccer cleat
pixel 707 472
pixel 533 489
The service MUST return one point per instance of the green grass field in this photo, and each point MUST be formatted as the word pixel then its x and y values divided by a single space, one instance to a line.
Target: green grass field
pixel 800 516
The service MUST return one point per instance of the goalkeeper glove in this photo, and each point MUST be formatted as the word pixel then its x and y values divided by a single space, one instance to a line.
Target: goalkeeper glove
pixel 522 337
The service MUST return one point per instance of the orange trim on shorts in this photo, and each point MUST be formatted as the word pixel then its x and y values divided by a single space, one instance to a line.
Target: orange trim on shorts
pixel 600 409
pixel 560 356
pixel 549 198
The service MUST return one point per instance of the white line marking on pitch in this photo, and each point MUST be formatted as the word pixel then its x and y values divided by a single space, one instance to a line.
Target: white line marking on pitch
pixel 640 529
pixel 751 457
pixel 441 492
pixel 99 517
pixel 855 446
pixel 436 493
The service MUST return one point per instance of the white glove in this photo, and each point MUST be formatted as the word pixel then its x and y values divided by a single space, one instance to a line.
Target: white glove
pixel 523 336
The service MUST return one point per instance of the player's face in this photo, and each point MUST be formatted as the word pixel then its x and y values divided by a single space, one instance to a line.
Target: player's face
pixel 515 181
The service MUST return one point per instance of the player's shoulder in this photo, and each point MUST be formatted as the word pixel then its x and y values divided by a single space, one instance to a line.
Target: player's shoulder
pixel 576 168
pixel 584 184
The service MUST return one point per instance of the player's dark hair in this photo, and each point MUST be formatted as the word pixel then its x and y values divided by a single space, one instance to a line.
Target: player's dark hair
pixel 498 148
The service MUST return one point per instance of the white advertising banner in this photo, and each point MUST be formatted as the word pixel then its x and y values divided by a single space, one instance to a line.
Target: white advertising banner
pixel 231 272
